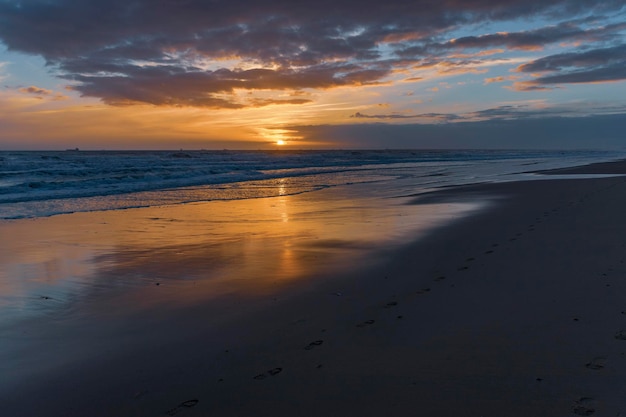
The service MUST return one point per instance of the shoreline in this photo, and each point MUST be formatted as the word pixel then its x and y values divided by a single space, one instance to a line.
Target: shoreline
pixel 37 197
pixel 515 310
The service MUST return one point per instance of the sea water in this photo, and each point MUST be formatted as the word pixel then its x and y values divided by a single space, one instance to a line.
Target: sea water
pixel 39 184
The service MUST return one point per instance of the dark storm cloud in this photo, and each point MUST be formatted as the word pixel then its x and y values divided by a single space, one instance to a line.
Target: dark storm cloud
pixel 170 85
pixel 596 57
pixel 152 51
pixel 538 38
pixel 571 31
pixel 597 65
pixel 68 27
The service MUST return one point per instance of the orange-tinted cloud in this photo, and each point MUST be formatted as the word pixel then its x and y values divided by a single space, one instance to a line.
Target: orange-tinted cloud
pixel 487 52
pixel 35 90
pixel 42 93
pixel 500 79
pixel 413 79
pixel 196 53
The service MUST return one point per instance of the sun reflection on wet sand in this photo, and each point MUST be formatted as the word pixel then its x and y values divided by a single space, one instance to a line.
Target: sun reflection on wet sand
pixel 199 251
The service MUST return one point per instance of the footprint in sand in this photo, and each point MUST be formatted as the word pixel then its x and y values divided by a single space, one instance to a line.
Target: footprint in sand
pixel 271 372
pixel 584 406
pixel 366 323
pixel 621 335
pixel 597 363
pixel 314 344
pixel 182 406
pixel 441 278
pixel 391 304
pixel 423 291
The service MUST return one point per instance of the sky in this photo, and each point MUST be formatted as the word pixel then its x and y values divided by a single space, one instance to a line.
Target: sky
pixel 278 74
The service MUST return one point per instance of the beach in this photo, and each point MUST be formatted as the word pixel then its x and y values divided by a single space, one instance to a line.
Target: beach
pixel 506 300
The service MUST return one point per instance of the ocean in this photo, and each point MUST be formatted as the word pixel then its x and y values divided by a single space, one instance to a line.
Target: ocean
pixel 39 184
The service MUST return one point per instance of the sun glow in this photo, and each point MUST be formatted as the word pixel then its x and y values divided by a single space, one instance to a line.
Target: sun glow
pixel 278 136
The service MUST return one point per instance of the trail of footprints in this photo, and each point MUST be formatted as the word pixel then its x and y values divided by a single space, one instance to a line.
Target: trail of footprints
pixel 425 290
pixel 181 407
pixel 391 304
pixel 584 406
pixel 271 372
pixel 312 345
pixel 587 406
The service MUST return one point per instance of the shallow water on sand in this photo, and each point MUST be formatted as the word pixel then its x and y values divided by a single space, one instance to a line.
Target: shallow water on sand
pixel 84 282
pixel 122 261
pixel 197 251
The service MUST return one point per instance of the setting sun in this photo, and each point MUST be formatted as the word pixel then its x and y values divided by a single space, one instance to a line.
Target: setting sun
pixel 280 142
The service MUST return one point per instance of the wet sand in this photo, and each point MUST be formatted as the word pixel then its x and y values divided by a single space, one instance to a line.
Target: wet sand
pixel 515 310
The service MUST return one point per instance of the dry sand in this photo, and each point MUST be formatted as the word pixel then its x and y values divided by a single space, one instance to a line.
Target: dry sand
pixel 517 310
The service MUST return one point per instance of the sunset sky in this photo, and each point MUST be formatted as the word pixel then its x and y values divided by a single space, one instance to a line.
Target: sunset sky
pixel 163 74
